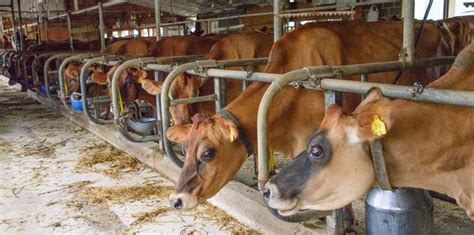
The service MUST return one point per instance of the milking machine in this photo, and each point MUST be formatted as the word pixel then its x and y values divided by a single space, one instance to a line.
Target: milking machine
pixel 138 121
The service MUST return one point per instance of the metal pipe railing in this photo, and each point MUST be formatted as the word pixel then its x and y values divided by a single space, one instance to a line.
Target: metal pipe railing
pixel 140 62
pixel 62 94
pixel 46 73
pixel 317 73
pixel 196 66
pixel 408 48
pixel 85 100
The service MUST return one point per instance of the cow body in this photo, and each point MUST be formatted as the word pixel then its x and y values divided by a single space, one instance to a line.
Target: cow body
pixel 296 113
pixel 425 145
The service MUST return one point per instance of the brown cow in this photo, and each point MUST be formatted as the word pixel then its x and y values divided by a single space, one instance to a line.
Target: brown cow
pixel 214 150
pixel 425 145
pixel 235 46
pixel 167 46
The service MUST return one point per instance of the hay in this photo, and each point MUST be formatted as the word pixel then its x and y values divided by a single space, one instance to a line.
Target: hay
pixel 223 220
pixel 149 216
pixel 103 195
pixel 117 161
pixel 40 148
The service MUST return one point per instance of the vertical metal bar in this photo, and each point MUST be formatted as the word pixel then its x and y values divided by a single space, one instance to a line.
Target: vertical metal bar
pixel 364 78
pixel 20 19
pixel 15 38
pixel 220 96
pixel 276 20
pixel 101 26
pixel 69 30
pixel 158 19
pixel 38 30
pixel 408 51
pixel 46 29
pixel 159 114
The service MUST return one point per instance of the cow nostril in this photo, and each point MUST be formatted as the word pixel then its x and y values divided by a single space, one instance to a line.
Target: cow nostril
pixel 266 193
pixel 177 203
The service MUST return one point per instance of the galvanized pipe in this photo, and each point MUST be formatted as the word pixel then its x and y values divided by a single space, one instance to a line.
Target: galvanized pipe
pixel 297 76
pixel 62 85
pixel 441 96
pixel 165 104
pixel 165 101
pixel 69 31
pixel 83 84
pixel 408 48
pixel 22 46
pixel 193 100
pixel 276 20
pixel 101 26
pixel 158 19
pixel 46 29
pixel 46 73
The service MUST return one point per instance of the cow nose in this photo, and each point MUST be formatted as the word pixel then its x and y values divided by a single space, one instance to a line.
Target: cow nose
pixel 177 203
pixel 266 193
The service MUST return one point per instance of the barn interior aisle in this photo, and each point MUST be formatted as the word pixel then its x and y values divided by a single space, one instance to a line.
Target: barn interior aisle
pixel 58 178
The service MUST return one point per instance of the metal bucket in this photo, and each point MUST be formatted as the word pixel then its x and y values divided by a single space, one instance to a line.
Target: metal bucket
pixel 402 211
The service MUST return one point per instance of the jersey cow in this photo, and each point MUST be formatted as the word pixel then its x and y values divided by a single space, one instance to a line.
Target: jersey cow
pixel 131 79
pixel 217 146
pixel 235 46
pixel 420 150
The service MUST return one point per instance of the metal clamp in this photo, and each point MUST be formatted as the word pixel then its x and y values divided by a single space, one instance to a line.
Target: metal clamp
pixel 417 89
pixel 203 65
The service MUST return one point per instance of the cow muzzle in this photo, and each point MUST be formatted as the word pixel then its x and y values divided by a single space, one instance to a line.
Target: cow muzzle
pixel 183 201
pixel 273 198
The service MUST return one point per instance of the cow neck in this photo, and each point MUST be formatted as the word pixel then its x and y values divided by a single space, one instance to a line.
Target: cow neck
pixel 443 141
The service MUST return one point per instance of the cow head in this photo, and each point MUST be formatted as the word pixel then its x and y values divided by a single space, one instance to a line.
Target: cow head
pixel 128 82
pixel 336 168
pixel 213 158
pixel 71 76
pixel 184 86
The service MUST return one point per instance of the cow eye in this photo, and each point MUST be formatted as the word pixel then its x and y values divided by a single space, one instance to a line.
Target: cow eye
pixel 208 154
pixel 316 151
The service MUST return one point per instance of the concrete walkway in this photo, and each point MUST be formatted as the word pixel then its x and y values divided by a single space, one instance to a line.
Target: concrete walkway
pixel 58 178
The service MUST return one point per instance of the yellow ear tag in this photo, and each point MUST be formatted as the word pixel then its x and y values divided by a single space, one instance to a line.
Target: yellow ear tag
pixel 139 79
pixel 232 134
pixel 378 126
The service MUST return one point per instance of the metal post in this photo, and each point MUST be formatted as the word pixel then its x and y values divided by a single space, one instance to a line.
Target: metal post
pixel 20 18
pixel 14 38
pixel 46 29
pixel 69 30
pixel 158 19
pixel 38 30
pixel 220 94
pixel 276 20
pixel 101 27
pixel 408 51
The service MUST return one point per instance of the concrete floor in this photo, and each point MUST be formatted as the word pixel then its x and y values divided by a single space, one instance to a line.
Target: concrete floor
pixel 44 188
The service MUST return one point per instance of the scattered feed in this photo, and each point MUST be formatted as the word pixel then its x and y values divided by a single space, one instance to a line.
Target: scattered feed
pixel 117 161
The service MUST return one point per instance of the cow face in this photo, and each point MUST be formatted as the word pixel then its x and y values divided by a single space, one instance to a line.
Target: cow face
pixel 128 82
pixel 336 168
pixel 213 158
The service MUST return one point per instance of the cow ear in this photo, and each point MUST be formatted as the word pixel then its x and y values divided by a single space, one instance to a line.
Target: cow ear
pixel 374 118
pixel 178 133
pixel 99 77
pixel 230 132
pixel 151 86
